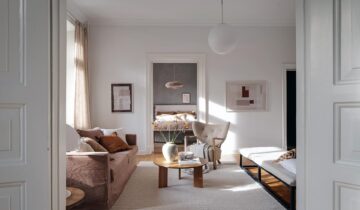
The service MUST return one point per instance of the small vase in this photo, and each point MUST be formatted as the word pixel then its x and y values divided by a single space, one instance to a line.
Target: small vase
pixel 169 151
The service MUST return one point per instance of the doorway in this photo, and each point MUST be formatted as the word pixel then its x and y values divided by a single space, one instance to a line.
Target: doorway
pixel 170 58
pixel 289 106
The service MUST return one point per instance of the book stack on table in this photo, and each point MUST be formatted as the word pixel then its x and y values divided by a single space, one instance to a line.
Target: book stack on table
pixel 187 158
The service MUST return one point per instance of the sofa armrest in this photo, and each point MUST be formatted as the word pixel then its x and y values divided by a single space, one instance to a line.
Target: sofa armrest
pixel 91 173
pixel 131 139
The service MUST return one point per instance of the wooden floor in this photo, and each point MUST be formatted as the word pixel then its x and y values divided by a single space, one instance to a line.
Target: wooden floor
pixel 275 185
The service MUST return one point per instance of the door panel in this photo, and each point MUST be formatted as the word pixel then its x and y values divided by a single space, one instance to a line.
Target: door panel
pixel 24 105
pixel 333 105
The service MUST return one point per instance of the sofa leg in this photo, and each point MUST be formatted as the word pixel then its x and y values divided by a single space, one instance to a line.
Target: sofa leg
pixel 292 198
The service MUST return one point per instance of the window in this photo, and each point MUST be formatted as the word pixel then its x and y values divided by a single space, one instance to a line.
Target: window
pixel 70 73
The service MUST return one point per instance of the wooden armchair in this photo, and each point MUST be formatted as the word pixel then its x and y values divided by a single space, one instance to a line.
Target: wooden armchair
pixel 209 137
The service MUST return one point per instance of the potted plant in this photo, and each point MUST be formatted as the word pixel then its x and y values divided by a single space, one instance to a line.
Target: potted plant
pixel 171 130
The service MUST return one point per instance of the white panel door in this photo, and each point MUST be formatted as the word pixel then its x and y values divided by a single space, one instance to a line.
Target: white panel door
pixel 24 105
pixel 332 98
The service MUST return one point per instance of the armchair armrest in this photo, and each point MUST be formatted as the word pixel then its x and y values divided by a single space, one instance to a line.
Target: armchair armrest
pixel 131 139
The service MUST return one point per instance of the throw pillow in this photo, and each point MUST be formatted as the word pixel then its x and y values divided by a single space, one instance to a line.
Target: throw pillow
pixel 109 131
pixel 291 154
pixel 91 133
pixel 94 144
pixel 84 147
pixel 113 143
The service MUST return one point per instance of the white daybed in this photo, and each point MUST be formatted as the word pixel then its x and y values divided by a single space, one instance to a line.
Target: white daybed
pixel 264 159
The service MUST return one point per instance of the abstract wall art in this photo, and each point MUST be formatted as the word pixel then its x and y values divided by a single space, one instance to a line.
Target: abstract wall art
pixel 246 96
pixel 121 97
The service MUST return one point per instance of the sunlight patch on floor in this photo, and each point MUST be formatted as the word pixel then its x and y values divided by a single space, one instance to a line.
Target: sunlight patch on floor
pixel 248 187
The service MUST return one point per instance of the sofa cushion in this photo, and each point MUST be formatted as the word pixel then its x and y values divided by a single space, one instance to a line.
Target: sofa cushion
pixel 113 143
pixel 85 147
pixel 94 144
pixel 110 131
pixel 91 133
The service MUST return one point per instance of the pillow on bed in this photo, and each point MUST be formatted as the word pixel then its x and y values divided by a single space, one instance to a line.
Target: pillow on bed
pixel 181 116
pixel 166 117
pixel 190 117
pixel 289 165
pixel 291 154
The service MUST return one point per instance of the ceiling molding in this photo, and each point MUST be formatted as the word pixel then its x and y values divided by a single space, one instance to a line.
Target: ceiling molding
pixel 169 22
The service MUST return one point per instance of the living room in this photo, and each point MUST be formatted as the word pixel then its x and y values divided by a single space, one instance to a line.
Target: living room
pixel 125 42
pixel 239 160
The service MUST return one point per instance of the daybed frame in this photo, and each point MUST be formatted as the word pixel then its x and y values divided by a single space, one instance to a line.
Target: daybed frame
pixel 292 189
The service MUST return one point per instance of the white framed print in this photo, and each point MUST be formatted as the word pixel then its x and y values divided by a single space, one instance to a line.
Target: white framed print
pixel 186 98
pixel 246 96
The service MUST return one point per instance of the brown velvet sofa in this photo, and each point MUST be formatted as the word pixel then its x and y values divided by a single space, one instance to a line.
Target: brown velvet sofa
pixel 101 175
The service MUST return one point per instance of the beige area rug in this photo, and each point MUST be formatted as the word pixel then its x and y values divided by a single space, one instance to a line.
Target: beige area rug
pixel 227 188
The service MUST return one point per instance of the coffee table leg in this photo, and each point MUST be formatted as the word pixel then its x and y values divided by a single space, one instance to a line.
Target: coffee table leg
pixel 163 173
pixel 198 177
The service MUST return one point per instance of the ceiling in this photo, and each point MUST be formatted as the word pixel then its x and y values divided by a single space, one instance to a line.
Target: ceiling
pixel 187 12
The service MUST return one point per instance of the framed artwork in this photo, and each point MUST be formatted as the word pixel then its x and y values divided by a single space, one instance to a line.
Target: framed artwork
pixel 246 96
pixel 186 97
pixel 121 98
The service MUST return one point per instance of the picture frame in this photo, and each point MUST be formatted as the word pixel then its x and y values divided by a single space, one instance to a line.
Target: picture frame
pixel 121 97
pixel 186 98
pixel 242 96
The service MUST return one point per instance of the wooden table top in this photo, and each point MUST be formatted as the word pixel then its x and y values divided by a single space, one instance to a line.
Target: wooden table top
pixel 77 195
pixel 160 161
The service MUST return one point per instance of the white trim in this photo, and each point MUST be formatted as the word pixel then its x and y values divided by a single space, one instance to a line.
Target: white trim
pixel 202 106
pixel 186 22
pixel 285 68
pixel 58 84
pixel 302 29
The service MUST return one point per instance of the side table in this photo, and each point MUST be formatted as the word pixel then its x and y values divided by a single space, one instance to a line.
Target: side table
pixel 76 197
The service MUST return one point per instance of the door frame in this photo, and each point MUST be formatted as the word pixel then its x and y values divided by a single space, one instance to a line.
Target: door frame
pixel 202 104
pixel 58 57
pixel 285 68
pixel 302 97
pixel 57 103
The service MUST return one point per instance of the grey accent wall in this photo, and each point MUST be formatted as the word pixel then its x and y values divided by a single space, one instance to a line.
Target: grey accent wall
pixel 184 72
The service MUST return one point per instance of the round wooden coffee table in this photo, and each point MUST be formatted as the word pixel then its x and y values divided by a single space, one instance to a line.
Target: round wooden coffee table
pixel 76 197
pixel 164 165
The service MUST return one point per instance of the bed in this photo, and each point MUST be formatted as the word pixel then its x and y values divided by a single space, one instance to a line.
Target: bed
pixel 173 118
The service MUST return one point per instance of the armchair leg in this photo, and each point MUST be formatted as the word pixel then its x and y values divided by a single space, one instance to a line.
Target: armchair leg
pixel 214 164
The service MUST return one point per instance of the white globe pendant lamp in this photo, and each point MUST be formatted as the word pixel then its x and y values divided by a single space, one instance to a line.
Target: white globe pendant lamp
pixel 222 38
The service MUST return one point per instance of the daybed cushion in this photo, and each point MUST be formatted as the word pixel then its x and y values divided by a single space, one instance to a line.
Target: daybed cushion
pixel 289 164
pixel 261 154
pixel 280 172
pixel 247 152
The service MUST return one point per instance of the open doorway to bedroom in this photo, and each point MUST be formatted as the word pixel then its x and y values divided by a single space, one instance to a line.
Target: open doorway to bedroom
pixel 174 103
pixel 176 96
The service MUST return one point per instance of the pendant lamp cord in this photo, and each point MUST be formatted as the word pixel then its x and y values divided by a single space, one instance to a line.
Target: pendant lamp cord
pixel 174 71
pixel 222 11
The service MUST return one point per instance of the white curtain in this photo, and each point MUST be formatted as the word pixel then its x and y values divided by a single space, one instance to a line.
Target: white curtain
pixel 81 108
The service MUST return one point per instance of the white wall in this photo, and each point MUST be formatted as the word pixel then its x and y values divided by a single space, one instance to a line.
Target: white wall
pixel 117 54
